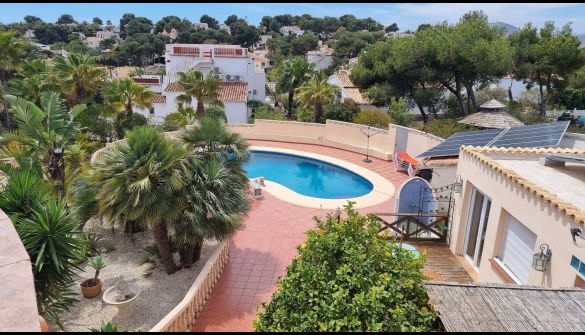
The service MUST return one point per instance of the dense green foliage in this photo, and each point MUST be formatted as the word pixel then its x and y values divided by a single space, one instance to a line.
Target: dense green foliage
pixel 267 114
pixel 374 118
pixel 345 278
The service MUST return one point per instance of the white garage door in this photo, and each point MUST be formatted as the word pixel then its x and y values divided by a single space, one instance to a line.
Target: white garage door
pixel 518 249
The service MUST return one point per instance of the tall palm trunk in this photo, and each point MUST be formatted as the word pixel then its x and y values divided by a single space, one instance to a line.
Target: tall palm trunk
pixel 290 103
pixel 161 237
pixel 57 172
pixel 187 253
pixel 200 107
pixel 318 113
pixel 129 110
pixel 81 94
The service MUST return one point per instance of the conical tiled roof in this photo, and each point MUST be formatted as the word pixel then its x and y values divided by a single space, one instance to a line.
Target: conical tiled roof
pixel 493 104
pixel 492 120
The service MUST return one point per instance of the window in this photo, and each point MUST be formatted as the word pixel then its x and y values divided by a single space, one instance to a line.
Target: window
pixel 578 265
pixel 518 249
pixel 151 110
pixel 254 92
pixel 476 227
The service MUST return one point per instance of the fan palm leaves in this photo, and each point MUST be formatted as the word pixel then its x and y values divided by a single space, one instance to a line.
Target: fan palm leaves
pixel 32 80
pixel 135 181
pixel 317 93
pixel 44 133
pixel 11 52
pixel 293 73
pixel 79 75
pixel 203 89
pixel 123 95
pixel 216 202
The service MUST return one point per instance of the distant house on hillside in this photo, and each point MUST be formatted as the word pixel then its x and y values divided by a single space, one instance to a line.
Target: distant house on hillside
pixel 173 34
pixel 204 26
pixel 29 34
pixel 349 90
pixel 225 27
pixel 322 58
pixel 287 30
pixel 261 43
pixel 241 79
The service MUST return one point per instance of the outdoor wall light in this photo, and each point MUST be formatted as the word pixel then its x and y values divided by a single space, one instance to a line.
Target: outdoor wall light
pixel 456 186
pixel 542 258
pixel 576 232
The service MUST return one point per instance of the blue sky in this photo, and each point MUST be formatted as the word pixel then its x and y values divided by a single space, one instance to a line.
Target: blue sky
pixel 408 16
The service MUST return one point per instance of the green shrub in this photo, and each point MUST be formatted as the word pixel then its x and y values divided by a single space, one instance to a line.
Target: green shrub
pixel 374 118
pixel 174 121
pixel 347 279
pixel 445 127
pixel 106 328
pixel 398 113
pixel 345 111
pixel 265 113
pixel 215 112
pixel 304 114
pixel 136 120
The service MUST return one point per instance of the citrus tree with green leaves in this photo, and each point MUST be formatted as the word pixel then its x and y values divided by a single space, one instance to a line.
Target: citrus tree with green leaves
pixel 345 278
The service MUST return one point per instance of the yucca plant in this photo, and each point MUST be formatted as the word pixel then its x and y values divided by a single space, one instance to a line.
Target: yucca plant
pixel 23 193
pixel 54 243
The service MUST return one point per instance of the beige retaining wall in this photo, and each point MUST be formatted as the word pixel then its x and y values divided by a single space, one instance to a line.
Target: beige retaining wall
pixel 18 302
pixel 181 318
pixel 336 134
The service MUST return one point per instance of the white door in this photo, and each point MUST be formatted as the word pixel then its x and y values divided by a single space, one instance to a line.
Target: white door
pixel 479 211
pixel 518 249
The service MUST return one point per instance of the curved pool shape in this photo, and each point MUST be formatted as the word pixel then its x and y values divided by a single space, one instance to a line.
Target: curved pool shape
pixel 307 176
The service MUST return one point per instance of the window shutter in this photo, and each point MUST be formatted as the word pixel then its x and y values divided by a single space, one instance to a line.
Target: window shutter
pixel 518 249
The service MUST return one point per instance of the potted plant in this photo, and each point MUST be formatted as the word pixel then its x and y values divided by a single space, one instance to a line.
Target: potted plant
pixel 90 288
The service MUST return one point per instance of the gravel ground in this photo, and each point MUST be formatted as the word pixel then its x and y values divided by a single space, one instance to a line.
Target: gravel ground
pixel 159 294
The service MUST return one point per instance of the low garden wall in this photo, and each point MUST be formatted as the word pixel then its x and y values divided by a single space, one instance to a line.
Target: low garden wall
pixel 181 318
pixel 18 307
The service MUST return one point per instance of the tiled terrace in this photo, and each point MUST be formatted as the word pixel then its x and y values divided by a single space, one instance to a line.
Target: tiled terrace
pixel 266 243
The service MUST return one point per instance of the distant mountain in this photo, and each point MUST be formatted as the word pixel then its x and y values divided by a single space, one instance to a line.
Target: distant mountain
pixel 510 29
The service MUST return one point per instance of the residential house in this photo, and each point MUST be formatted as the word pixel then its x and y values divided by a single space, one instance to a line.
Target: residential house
pixel 105 34
pixel 29 34
pixel 516 203
pixel 235 66
pixel 349 90
pixel 225 27
pixel 42 46
pixel 261 59
pixel 287 30
pixel 261 43
pixel 201 25
pixel 322 57
pixel 173 34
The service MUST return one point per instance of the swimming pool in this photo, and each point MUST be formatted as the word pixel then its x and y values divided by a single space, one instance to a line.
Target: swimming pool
pixel 307 176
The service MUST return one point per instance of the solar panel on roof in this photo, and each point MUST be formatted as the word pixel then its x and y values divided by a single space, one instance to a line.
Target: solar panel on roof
pixel 536 135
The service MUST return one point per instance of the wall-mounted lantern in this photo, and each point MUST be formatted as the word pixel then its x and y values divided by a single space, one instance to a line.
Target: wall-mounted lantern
pixel 456 186
pixel 542 258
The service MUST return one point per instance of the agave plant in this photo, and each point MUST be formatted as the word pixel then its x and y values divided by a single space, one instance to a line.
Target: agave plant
pixel 106 328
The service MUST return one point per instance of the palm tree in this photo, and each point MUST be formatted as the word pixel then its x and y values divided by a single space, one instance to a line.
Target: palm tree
pixel 316 93
pixel 124 94
pixel 216 201
pixel 204 89
pixel 137 181
pixel 78 74
pixel 11 52
pixel 44 133
pixel 212 140
pixel 31 81
pixel 216 197
pixel 293 74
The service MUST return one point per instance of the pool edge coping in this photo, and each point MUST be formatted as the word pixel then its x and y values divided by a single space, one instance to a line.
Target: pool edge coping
pixel 383 190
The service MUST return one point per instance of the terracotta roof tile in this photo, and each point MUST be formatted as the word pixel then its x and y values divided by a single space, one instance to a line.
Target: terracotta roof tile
pixel 228 91
pixel 158 99
pixel 343 77
pixel 174 87
pixel 233 91
pixel 567 208
pixel 355 95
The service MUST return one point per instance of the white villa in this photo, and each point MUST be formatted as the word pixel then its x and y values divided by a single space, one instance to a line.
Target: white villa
pixel 261 43
pixel 173 34
pixel 204 26
pixel 241 79
pixel 287 30
pixel 322 57
pixel 225 27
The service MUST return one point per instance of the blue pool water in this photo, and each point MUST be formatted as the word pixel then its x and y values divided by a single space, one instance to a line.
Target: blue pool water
pixel 307 176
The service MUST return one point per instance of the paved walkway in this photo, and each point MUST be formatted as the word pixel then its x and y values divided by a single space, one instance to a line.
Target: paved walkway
pixel 266 243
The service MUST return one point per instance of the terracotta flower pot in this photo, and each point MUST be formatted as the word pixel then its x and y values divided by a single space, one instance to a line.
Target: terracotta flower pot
pixel 91 291
pixel 44 324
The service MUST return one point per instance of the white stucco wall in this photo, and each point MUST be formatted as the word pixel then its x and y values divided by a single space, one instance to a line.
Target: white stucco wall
pixel 236 112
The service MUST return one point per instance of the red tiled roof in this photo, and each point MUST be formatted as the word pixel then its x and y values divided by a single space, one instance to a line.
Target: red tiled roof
pixel 228 91
pixel 157 99
pixel 343 77
pixel 350 89
pixel 174 87
pixel 233 91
